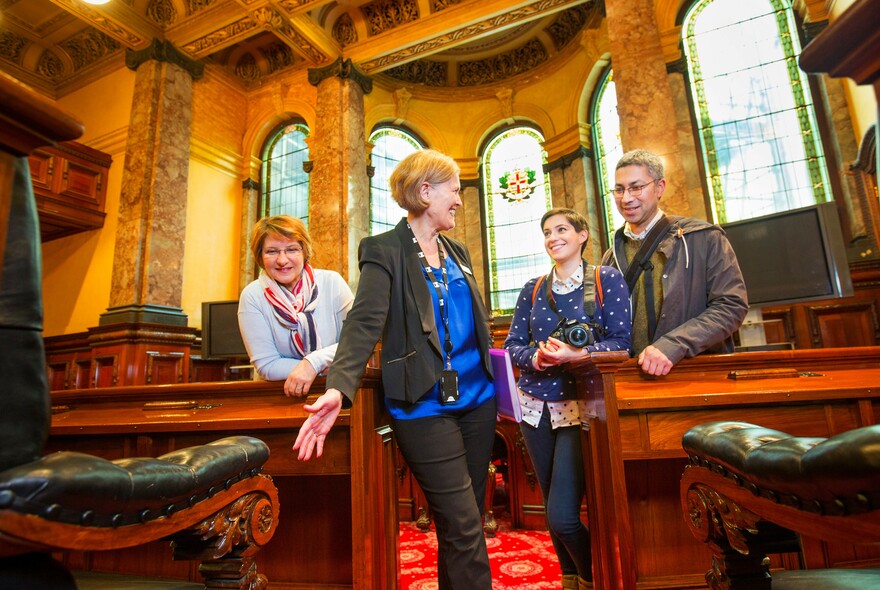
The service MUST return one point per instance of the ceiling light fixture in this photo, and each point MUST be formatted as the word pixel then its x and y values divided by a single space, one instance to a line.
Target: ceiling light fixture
pixel 96 1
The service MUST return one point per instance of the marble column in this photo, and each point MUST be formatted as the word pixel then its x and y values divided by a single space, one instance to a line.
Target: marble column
pixel 339 206
pixel 469 227
pixel 147 277
pixel 250 199
pixel 645 105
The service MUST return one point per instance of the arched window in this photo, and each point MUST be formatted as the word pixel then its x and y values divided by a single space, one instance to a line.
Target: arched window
pixel 390 146
pixel 517 195
pixel 755 116
pixel 607 148
pixel 285 181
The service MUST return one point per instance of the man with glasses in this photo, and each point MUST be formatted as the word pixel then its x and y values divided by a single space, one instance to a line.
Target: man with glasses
pixel 688 294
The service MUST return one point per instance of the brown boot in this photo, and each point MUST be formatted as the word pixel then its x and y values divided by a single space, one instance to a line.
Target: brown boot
pixel 583 584
pixel 569 582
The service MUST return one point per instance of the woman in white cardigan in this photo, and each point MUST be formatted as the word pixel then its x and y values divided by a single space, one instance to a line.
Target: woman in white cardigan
pixel 291 315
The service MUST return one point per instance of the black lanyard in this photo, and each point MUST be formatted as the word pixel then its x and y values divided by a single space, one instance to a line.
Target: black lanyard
pixel 444 309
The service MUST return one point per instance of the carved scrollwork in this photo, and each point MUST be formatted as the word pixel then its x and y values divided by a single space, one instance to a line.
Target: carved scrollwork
pixel 568 24
pixel 50 66
pixel 438 5
pixel 503 66
pixel 247 68
pixel 278 56
pixel 88 47
pixel 162 12
pixel 344 31
pixel 423 71
pixel 720 519
pixel 247 521
pixel 194 6
pixel 268 18
pixel 11 46
pixel 384 15
pixel 223 35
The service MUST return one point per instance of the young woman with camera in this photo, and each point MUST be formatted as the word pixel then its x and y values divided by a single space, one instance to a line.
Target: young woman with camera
pixel 574 310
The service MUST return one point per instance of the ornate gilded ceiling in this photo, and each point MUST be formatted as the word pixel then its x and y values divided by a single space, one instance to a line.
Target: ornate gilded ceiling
pixel 58 46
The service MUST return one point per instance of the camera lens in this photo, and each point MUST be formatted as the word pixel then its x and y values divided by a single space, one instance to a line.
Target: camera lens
pixel 578 336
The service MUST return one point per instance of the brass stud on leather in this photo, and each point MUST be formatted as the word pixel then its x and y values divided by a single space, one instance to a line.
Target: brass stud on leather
pixel 117 520
pixel 144 515
pixel 53 511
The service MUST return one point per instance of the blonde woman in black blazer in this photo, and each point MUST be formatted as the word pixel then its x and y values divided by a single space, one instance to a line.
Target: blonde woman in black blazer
pixel 418 294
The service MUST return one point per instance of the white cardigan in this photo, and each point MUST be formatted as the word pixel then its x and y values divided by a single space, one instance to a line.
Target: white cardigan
pixel 268 341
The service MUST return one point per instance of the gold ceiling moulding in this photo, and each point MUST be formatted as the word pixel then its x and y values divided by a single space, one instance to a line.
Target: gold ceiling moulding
pixel 223 37
pixel 126 34
pixel 464 34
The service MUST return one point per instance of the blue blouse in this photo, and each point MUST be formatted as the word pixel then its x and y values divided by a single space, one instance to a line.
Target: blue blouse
pixel 532 324
pixel 474 386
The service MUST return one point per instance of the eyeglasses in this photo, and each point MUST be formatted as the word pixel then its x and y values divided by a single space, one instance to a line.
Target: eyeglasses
pixel 634 191
pixel 289 252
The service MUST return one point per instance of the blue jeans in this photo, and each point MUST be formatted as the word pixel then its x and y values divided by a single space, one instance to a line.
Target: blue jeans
pixel 449 456
pixel 558 460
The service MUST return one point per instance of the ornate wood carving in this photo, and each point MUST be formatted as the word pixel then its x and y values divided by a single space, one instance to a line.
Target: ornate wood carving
pixel 384 15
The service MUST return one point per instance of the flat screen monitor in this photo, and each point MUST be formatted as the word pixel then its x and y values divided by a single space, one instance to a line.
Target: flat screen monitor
pixel 797 255
pixel 221 337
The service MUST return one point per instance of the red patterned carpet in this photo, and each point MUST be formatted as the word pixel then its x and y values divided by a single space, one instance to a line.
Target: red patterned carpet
pixel 521 560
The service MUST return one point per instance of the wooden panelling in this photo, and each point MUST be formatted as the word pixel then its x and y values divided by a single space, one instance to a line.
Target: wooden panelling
pixel 844 324
pixel 70 186
pixel 337 519
pixel 636 454
pixel 164 368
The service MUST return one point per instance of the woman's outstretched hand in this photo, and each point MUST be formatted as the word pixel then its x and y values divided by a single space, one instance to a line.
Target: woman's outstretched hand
pixel 314 430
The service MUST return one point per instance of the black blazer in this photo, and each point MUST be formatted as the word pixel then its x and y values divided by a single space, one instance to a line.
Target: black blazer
pixel 393 302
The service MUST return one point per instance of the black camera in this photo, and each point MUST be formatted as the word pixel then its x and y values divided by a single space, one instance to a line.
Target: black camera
pixel 574 333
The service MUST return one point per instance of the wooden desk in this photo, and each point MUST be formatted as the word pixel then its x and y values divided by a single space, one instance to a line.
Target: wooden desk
pixel 634 459
pixel 337 518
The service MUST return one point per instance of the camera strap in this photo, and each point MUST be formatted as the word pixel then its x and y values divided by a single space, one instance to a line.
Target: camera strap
pixel 592 290
pixel 640 263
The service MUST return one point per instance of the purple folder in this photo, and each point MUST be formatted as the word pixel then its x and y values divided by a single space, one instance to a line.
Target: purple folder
pixel 506 394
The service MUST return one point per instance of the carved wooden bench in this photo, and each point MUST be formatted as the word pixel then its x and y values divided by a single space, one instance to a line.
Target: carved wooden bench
pixel 751 491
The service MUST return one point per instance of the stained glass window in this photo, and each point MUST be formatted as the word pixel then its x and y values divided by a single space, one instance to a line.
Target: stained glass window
pixel 517 195
pixel 390 146
pixel 285 182
pixel 756 122
pixel 607 148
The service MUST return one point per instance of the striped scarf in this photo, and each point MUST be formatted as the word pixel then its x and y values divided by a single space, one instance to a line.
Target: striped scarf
pixel 294 309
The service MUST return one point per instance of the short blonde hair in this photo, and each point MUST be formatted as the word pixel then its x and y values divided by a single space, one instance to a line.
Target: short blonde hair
pixel 283 226
pixel 416 169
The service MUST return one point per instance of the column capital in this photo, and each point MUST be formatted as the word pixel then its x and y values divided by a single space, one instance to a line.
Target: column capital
pixel 249 184
pixel 344 69
pixel 164 51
